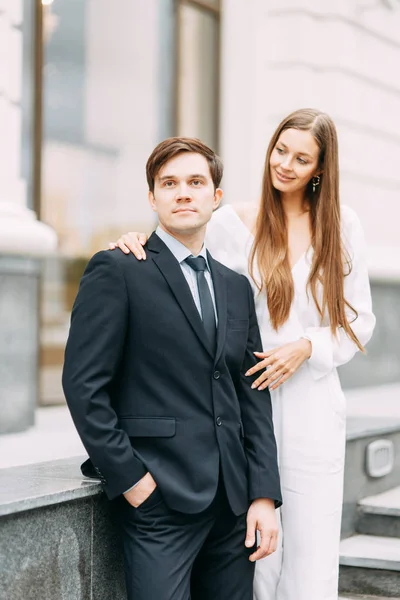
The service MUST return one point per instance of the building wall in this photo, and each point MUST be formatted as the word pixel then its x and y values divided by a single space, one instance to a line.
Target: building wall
pixel 342 57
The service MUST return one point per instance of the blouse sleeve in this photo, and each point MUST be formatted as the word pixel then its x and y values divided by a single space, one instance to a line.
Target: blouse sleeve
pixel 216 240
pixel 225 239
pixel 330 351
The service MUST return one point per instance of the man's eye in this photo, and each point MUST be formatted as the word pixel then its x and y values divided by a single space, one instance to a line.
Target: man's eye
pixel 196 182
pixel 169 183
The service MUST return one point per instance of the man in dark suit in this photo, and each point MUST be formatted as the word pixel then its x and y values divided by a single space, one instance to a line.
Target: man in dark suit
pixel 154 379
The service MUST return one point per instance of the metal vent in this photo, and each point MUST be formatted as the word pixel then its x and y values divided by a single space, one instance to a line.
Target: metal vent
pixel 380 458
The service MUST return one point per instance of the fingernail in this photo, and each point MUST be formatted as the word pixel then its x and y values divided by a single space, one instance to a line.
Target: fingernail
pixel 247 373
pixel 253 386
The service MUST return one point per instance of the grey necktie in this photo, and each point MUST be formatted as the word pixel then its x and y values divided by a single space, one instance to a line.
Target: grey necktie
pixel 198 264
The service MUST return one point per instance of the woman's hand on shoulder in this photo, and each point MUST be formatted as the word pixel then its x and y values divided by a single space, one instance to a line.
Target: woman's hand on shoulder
pixel 133 241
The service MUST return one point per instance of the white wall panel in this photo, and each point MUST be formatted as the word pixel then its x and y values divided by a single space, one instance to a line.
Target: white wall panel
pixel 339 57
pixel 13 10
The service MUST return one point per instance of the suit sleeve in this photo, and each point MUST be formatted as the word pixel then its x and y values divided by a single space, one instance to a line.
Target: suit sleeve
pixel 330 351
pixel 93 353
pixel 256 411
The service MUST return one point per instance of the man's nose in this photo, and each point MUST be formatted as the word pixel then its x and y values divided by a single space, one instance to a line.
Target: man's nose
pixel 183 193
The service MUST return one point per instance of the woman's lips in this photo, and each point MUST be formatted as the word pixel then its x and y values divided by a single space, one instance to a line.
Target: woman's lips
pixel 283 178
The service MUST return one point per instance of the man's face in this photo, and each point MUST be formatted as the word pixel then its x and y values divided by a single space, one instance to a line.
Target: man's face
pixel 184 197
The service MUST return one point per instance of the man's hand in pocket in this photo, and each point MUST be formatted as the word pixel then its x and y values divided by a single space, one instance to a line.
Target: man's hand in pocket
pixel 142 490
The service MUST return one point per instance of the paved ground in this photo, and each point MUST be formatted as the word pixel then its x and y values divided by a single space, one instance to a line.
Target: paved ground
pixel 54 435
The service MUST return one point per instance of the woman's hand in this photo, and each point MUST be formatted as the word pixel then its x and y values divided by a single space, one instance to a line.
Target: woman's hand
pixel 131 242
pixel 281 363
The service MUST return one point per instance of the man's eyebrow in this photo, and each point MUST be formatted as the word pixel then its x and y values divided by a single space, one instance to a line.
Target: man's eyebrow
pixel 302 153
pixel 194 176
pixel 165 177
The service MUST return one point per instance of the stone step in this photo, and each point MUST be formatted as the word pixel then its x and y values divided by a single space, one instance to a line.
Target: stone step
pixel 361 432
pixel 370 565
pixel 380 515
pixel 352 597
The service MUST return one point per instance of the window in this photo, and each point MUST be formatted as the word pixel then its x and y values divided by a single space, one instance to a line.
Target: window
pixel 117 78
pixel 101 114
pixel 198 70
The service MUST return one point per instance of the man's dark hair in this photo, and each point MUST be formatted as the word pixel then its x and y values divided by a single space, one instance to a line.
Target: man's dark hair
pixel 173 146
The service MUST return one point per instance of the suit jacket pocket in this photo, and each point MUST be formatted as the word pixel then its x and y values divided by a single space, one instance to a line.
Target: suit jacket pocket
pixel 148 426
pixel 238 324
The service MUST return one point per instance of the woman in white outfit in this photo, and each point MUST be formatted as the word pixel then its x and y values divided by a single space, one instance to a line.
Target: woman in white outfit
pixel 304 255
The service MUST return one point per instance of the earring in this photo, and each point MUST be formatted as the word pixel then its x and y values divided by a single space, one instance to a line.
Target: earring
pixel 315 182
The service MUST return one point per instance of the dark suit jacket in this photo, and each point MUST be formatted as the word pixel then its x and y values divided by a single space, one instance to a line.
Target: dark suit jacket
pixel 147 393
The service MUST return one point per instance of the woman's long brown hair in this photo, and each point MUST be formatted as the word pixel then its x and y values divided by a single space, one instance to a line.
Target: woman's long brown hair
pixel 330 263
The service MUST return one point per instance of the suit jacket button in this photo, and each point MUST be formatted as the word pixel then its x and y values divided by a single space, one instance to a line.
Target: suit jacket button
pixel 218 421
pixel 217 375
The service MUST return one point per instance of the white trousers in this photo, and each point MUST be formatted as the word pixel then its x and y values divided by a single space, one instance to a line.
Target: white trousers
pixel 310 431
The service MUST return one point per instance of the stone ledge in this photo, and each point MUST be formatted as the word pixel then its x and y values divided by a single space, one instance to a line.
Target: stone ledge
pixel 363 427
pixel 59 535
pixel 44 484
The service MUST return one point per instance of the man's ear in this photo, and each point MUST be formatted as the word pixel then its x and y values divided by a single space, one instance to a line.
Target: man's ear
pixel 152 201
pixel 217 198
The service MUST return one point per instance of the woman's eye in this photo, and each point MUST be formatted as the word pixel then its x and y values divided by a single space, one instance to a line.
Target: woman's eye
pixel 302 161
pixel 279 150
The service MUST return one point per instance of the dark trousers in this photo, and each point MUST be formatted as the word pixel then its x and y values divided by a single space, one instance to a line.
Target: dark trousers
pixel 175 556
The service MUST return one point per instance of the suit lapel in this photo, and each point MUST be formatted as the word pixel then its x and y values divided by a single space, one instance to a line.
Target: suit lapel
pixel 172 272
pixel 219 283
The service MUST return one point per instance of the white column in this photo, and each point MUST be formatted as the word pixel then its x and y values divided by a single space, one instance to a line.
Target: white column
pixel 20 231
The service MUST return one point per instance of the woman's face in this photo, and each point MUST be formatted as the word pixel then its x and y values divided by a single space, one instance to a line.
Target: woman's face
pixel 294 160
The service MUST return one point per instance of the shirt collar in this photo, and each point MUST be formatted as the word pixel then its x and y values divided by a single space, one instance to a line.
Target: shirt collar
pixel 180 251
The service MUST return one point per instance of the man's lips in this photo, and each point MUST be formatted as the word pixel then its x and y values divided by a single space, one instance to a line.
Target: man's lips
pixel 185 210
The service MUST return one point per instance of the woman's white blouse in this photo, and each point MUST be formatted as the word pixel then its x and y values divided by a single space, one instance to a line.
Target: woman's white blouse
pixel 230 242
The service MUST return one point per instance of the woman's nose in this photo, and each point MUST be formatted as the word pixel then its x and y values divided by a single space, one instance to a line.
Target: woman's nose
pixel 286 162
